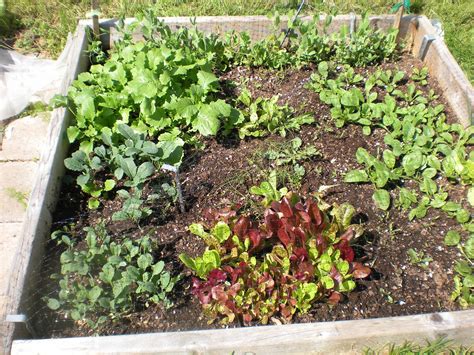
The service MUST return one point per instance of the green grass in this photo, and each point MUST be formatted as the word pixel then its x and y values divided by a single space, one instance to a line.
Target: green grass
pixel 42 25
pixel 438 346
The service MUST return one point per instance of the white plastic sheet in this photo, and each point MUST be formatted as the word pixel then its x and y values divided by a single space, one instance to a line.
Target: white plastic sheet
pixel 26 79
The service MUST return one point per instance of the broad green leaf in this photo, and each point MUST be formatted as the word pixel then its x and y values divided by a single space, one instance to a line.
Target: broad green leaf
pixel 356 176
pixel 207 121
pixel 77 161
pixel 197 229
pixel 165 279
pixel 212 258
pixel 128 166
pixel 109 184
pixel 469 247
pixel 429 173
pixel 144 261
pixel 381 198
pixel 158 267
pixel 127 132
pixel 145 170
pixel 452 238
pixel 470 196
pixel 323 69
pixel 93 203
pixel 412 162
pixel 53 304
pixel 189 262
pixel 72 133
pixel 206 80
pixel 389 158
pixel 221 231
pixel 94 293
pixel 463 216
pixel 328 282
pixel 84 101
pixel 343 215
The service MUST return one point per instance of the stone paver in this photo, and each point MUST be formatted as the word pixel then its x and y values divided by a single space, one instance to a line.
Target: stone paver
pixel 9 242
pixel 24 138
pixel 16 183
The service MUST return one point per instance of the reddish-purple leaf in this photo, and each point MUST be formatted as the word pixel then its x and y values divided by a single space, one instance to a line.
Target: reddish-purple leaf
pixel 305 271
pixel 255 237
pixel 275 205
pixel 241 227
pixel 218 293
pixel 314 212
pixel 216 276
pixel 348 234
pixel 285 208
pixel 335 275
pixel 247 318
pixel 360 271
pixel 285 311
pixel 334 298
pixel 283 236
pixel 272 222
pixel 347 253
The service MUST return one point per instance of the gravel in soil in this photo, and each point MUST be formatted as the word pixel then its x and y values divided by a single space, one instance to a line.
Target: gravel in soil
pixel 222 173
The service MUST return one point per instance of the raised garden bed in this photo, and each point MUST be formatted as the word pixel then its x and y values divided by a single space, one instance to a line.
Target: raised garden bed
pixel 324 138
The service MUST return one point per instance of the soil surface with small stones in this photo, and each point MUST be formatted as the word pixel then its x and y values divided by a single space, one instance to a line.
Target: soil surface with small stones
pixel 221 174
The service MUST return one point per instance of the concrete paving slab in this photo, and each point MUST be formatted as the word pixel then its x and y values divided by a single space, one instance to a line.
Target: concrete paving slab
pixel 9 241
pixel 16 183
pixel 24 138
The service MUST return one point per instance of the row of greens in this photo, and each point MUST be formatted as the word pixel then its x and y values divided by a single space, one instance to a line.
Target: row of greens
pixel 422 149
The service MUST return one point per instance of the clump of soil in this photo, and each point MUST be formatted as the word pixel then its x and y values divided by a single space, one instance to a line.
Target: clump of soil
pixel 222 173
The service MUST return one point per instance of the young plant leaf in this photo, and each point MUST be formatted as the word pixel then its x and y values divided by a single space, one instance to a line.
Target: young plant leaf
pixel 381 198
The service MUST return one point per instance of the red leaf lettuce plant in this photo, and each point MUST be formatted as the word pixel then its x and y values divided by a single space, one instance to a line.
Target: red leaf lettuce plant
pixel 252 271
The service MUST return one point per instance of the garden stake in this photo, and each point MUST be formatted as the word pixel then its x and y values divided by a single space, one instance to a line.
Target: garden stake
pixel 95 18
pixel 292 22
pixel 175 170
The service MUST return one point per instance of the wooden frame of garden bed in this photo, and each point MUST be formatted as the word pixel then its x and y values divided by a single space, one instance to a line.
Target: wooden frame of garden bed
pixel 341 336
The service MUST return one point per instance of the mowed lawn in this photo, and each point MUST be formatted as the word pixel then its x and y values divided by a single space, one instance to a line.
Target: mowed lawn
pixel 42 25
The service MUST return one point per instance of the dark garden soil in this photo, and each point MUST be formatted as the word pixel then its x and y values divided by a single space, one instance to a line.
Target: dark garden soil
pixel 222 173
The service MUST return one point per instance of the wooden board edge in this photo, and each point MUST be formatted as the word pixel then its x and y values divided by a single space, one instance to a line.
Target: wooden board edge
pixel 44 195
pixel 309 338
pixel 441 64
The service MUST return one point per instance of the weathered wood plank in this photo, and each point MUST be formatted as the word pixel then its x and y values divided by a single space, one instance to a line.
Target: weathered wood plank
pixel 311 338
pixel 44 195
pixel 441 64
